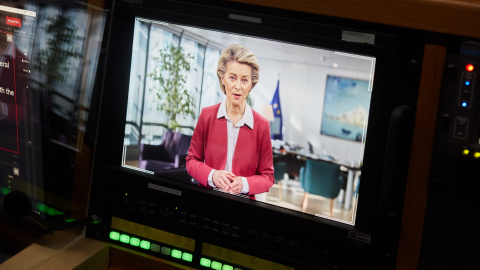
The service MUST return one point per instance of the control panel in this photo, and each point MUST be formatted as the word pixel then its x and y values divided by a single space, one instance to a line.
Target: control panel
pixel 451 209
pixel 458 131
pixel 196 228
pixel 178 248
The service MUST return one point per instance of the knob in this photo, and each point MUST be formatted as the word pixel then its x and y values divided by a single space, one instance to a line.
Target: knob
pixel 252 235
pixel 451 73
pixel 445 121
pixel 278 242
pixel 265 239
pixel 292 245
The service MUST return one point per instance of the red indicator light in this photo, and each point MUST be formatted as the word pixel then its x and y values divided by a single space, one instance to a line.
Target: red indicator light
pixel 469 67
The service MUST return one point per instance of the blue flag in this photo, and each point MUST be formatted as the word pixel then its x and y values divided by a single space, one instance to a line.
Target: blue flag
pixel 277 124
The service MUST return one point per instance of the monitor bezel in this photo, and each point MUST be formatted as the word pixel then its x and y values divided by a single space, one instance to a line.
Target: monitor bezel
pixel 286 26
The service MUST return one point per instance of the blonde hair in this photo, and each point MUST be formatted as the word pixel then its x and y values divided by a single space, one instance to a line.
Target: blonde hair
pixel 240 54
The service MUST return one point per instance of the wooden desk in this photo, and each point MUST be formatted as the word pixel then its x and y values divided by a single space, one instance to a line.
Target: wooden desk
pixel 32 247
pixel 457 17
pixel 64 250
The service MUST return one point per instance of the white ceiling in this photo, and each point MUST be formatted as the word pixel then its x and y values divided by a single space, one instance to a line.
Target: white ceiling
pixel 283 52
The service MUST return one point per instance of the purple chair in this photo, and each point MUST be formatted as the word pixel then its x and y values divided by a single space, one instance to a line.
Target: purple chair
pixel 169 154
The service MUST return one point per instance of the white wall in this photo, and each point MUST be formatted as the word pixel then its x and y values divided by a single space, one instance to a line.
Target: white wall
pixel 302 72
pixel 302 88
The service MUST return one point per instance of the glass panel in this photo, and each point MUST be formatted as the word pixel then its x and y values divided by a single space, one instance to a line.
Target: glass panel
pixel 317 102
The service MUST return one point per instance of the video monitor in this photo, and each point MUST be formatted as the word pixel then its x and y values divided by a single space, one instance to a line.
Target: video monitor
pixel 48 58
pixel 315 101
pixel 20 136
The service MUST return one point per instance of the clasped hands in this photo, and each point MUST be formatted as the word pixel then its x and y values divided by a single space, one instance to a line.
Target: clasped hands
pixel 227 181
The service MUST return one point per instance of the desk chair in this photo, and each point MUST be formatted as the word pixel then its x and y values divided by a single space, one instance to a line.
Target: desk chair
pixel 279 170
pixel 320 178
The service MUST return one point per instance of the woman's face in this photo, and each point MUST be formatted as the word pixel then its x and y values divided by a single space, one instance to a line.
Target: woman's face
pixel 238 83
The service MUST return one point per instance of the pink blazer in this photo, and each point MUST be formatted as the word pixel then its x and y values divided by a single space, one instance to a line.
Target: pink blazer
pixel 252 158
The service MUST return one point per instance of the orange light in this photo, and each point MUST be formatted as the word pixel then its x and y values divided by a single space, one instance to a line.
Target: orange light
pixel 469 67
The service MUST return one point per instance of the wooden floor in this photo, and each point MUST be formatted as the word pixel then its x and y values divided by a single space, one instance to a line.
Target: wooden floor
pixel 292 196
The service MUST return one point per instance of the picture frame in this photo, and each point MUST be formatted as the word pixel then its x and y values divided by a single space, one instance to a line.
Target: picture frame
pixel 345 108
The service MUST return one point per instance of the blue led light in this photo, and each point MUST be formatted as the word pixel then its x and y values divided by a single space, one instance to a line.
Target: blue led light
pixel 464 104
pixel 467 83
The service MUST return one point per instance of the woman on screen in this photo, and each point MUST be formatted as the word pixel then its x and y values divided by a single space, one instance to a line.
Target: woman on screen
pixel 231 147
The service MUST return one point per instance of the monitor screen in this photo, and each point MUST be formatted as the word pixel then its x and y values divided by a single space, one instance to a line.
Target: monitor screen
pixel 45 91
pixel 20 136
pixel 315 101
pixel 182 150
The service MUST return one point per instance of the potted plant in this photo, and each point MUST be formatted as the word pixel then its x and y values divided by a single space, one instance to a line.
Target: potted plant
pixel 169 76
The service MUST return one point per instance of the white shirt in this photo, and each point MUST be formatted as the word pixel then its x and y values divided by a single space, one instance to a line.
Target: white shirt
pixel 232 134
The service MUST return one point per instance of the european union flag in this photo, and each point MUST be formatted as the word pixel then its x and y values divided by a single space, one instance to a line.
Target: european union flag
pixel 277 124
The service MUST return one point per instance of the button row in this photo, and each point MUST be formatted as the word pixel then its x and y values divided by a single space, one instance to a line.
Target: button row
pixel 266 241
pixel 207 263
pixel 182 217
pixel 149 208
pixel 219 227
pixel 147 245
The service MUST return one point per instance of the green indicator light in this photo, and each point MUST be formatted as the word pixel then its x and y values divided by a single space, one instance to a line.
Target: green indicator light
pixel 125 238
pixel 145 244
pixel 155 248
pixel 4 191
pixel 48 210
pixel 187 257
pixel 114 236
pixel 41 207
pixel 227 267
pixel 55 212
pixel 134 241
pixel 176 254
pixel 205 262
pixel 216 265
pixel 165 251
